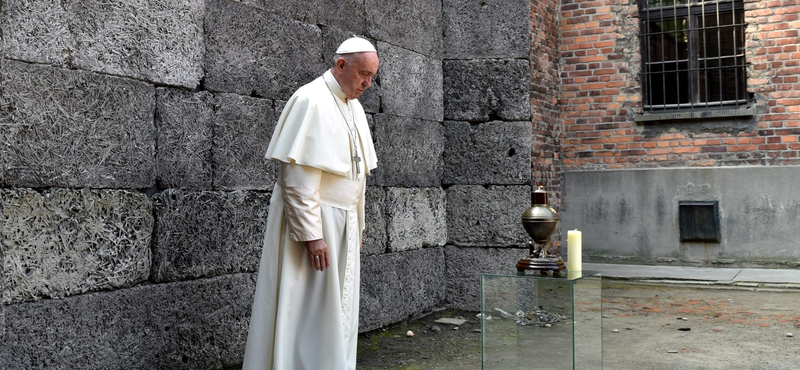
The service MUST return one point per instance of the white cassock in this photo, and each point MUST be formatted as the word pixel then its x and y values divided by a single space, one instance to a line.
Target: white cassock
pixel 304 319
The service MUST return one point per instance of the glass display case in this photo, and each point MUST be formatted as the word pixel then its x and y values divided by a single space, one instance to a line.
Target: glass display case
pixel 541 321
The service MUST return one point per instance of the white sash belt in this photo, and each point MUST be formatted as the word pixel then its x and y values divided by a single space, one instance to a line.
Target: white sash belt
pixel 340 192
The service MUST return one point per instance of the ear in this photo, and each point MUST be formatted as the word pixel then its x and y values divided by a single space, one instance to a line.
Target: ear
pixel 340 63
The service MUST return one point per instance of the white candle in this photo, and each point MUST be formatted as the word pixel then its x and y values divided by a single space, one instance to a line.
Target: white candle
pixel 574 240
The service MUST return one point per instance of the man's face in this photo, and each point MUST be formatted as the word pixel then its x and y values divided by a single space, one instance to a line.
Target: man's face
pixel 356 76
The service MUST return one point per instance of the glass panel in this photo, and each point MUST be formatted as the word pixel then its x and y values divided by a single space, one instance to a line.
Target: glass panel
pixel 544 322
pixel 668 39
pixel 588 323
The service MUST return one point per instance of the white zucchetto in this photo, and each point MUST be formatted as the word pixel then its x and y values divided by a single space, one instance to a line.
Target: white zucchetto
pixel 355 45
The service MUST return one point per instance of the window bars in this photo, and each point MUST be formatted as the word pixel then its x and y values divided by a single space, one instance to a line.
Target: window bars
pixel 693 54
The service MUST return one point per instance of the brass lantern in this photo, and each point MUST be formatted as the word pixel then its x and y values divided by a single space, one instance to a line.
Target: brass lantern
pixel 539 222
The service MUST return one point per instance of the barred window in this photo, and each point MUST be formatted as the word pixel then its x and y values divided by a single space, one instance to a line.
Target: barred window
pixel 693 54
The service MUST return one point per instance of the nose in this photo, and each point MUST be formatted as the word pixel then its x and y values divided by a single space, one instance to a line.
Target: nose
pixel 367 83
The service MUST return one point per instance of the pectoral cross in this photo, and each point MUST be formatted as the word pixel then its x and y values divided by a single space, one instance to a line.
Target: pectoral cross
pixel 352 130
pixel 357 159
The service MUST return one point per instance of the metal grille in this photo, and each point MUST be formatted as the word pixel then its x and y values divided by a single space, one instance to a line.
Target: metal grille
pixel 693 54
pixel 699 221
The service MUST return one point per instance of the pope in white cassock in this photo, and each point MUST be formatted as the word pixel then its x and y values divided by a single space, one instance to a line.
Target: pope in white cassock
pixel 305 312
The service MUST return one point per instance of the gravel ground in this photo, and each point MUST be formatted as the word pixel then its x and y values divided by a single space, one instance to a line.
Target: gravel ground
pixel 645 327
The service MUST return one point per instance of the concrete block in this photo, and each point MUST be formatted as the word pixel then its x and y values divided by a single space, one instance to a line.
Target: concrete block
pixel 486 29
pixel 259 4
pixel 203 323
pixel 415 218
pixel 464 269
pixel 413 25
pixel 207 233
pixel 344 14
pixel 395 286
pixel 37 31
pixel 2 282
pixel 304 11
pixel 200 324
pixel 219 140
pixel 409 152
pixel 489 153
pixel 146 39
pixel 332 37
pixel 184 121
pixel 634 214
pixel 485 90
pixel 69 128
pixel 370 99
pixel 279 105
pixel 64 242
pixel 375 238
pixel 479 216
pixel 411 83
pixel 259 54
pixel 243 127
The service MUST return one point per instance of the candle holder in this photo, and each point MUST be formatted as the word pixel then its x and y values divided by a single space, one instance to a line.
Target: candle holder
pixel 539 222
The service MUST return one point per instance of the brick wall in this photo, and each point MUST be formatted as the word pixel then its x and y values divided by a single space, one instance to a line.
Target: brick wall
pixel 772 50
pixel 546 141
pixel 601 94
pixel 693 157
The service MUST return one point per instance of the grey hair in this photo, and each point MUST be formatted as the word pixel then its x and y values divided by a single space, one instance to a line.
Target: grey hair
pixel 349 57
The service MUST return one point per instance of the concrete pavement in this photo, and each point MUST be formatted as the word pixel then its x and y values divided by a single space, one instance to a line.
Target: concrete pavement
pixel 744 277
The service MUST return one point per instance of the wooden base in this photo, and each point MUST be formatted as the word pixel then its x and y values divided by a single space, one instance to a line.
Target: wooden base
pixel 544 266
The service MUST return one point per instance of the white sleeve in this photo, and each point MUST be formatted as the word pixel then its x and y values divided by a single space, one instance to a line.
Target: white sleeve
pixel 301 201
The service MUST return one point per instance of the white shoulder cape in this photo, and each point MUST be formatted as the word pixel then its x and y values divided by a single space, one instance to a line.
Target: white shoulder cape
pixel 312 132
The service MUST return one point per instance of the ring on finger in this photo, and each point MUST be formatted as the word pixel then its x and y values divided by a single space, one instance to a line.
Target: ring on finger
pixel 316 257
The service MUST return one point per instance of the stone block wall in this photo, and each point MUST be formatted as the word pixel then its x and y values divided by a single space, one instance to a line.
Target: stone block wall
pixel 64 242
pixel 488 134
pixel 144 40
pixel 196 324
pixel 72 128
pixel 134 192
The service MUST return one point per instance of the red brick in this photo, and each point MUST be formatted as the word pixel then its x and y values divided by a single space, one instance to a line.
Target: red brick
pixel 772 147
pixel 659 151
pixel 687 150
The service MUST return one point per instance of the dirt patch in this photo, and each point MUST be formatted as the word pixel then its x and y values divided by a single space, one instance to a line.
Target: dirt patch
pixel 429 348
pixel 657 327
pixel 667 327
